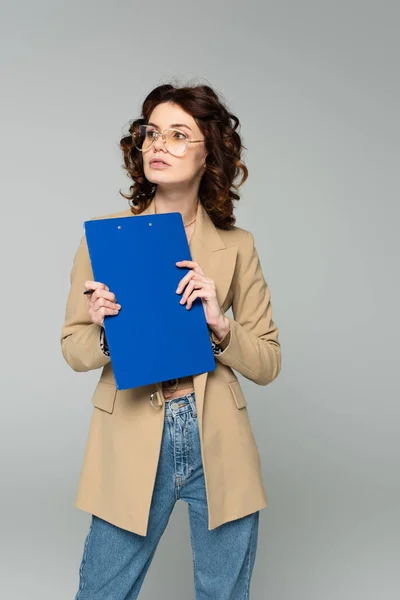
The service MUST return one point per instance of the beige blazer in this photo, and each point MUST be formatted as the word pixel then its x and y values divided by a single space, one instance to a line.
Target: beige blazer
pixel 122 449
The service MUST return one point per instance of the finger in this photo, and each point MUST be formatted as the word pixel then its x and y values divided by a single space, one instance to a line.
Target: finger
pixel 206 287
pixel 98 315
pixel 194 283
pixel 105 310
pixel 94 285
pixel 102 293
pixel 196 294
pixel 184 281
pixel 187 292
pixel 191 264
pixel 99 289
pixel 187 278
pixel 102 302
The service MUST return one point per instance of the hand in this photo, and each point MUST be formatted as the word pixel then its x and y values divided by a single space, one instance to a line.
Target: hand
pixel 200 286
pixel 101 303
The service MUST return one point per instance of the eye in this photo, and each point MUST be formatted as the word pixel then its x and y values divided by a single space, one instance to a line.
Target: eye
pixel 179 135
pixel 151 133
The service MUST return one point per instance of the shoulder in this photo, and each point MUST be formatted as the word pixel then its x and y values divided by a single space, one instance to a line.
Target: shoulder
pixel 237 236
pixel 83 242
pixel 243 241
pixel 114 215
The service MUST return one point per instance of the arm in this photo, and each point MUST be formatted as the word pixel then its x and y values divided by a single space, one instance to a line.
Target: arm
pixel 253 348
pixel 80 336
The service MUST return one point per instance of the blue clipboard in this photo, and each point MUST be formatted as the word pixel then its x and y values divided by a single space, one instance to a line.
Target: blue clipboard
pixel 153 337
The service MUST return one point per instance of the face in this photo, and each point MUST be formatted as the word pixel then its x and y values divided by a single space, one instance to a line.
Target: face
pixel 188 168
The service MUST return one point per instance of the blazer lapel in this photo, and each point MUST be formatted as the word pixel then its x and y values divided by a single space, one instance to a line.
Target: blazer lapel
pixel 209 251
pixel 218 262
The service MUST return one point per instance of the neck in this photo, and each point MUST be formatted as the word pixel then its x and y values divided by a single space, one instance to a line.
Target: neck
pixel 185 203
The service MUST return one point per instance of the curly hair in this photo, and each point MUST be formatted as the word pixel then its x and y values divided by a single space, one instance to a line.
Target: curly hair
pixel 217 190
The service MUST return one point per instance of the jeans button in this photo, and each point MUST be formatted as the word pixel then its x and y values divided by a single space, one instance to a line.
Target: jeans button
pixel 174 406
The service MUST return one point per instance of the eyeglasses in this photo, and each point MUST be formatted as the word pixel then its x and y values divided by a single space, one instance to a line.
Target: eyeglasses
pixel 176 141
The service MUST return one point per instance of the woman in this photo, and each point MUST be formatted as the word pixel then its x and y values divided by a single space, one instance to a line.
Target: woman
pixel 187 439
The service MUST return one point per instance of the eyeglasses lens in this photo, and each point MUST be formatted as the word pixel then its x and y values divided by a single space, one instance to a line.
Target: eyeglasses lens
pixel 144 136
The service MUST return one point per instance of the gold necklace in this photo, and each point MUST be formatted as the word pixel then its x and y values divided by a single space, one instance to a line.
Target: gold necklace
pixel 187 225
pixel 197 203
pixel 190 222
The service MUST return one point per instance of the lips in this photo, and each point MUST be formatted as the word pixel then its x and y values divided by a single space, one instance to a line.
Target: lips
pixel 158 161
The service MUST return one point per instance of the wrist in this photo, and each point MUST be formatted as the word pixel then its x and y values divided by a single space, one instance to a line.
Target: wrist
pixel 220 331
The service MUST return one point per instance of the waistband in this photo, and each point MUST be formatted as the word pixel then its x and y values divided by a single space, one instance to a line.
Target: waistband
pixel 156 399
pixel 182 404
pixel 180 383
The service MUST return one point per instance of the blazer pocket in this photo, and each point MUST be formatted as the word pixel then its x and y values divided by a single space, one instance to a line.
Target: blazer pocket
pixel 104 396
pixel 237 393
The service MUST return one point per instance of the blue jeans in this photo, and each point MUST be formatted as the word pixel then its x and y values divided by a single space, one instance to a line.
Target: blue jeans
pixel 115 561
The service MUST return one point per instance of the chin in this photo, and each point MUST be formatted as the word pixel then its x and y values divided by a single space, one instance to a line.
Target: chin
pixel 157 179
pixel 153 174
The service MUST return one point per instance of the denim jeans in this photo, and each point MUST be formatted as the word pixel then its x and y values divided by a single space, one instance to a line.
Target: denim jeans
pixel 115 561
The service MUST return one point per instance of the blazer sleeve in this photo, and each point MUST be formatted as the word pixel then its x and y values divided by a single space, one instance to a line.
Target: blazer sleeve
pixel 80 337
pixel 253 347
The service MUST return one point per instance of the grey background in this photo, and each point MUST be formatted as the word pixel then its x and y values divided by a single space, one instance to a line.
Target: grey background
pixel 316 87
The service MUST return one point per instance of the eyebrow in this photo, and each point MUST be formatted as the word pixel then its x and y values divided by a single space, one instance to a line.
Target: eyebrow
pixel 173 125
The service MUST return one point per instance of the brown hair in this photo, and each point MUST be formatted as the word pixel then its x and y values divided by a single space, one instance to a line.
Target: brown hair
pixel 217 189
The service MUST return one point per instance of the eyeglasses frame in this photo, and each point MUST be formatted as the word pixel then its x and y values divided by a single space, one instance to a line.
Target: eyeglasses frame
pixel 162 133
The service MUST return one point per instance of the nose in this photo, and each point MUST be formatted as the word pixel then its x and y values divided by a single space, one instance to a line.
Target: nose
pixel 159 143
